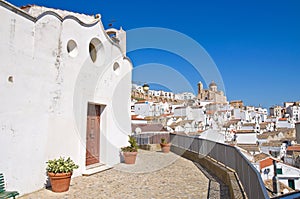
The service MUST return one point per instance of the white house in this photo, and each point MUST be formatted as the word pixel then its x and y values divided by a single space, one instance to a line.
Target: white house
pixel 185 96
pixel 246 137
pixel 197 114
pixel 284 123
pixel 150 108
pixel 65 91
pixel 182 111
pixel 294 112
pixel 288 175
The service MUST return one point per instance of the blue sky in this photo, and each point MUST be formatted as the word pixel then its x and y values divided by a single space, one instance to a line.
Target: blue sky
pixel 255 44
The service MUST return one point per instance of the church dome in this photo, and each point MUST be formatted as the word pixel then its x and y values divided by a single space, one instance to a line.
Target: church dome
pixel 212 84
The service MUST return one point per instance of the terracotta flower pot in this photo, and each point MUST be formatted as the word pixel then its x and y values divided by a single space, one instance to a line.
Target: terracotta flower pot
pixel 130 157
pixel 165 147
pixel 60 182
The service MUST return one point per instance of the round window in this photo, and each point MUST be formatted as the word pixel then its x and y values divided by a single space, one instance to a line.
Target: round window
pixel 96 51
pixel 116 68
pixel 72 48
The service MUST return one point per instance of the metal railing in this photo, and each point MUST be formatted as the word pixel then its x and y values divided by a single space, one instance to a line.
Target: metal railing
pixel 151 138
pixel 229 156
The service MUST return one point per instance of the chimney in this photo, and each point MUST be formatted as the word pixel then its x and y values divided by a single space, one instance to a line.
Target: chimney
pixel 276 188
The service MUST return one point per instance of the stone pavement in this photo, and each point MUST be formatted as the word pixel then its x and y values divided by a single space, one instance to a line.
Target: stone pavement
pixel 155 175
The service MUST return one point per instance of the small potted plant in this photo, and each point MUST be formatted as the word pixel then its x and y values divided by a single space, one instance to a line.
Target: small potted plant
pixel 130 152
pixel 165 146
pixel 60 172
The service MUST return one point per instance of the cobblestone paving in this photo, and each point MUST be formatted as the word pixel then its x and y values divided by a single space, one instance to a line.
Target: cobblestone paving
pixel 155 175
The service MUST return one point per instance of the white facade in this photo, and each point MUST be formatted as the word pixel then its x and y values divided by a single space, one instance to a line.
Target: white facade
pixel 281 123
pixel 197 114
pixel 251 114
pixel 52 65
pixel 294 112
pixel 185 96
pixel 151 109
pixel 246 138
pixel 142 109
pixel 182 111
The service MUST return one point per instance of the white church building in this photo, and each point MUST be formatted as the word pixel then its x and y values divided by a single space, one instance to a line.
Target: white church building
pixel 65 87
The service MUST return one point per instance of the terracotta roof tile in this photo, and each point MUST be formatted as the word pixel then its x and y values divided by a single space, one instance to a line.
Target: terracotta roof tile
pixel 244 131
pixel 282 119
pixel 294 148
pixel 261 156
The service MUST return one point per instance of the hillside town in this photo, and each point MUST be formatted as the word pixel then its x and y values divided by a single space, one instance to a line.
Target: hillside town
pixel 262 135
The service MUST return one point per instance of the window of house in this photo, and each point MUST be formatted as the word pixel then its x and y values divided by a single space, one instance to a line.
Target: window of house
pixel 292 184
pixel 279 171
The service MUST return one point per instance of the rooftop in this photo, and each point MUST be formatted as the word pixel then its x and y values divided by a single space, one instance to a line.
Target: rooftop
pixel 37 11
pixel 294 148
pixel 148 127
pixel 283 188
pixel 261 156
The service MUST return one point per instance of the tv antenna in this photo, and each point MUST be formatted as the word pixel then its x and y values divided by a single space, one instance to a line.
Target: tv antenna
pixel 111 22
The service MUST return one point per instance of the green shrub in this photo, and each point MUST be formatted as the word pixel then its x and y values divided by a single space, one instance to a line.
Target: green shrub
pixel 61 165
pixel 163 141
pixel 133 145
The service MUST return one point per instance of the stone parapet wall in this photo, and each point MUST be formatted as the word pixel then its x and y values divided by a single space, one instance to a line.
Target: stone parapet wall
pixel 227 176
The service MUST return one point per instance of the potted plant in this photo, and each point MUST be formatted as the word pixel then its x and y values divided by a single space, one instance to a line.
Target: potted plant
pixel 130 152
pixel 60 172
pixel 165 146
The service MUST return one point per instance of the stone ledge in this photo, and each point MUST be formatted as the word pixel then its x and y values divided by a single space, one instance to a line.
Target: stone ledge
pixel 227 176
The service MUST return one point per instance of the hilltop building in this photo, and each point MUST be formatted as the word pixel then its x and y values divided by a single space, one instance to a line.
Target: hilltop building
pixel 212 94
pixel 140 93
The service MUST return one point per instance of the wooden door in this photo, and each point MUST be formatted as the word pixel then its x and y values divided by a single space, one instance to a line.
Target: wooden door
pixel 93 134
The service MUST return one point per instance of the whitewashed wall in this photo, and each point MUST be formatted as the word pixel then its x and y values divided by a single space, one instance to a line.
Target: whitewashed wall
pixel 43 110
pixel 246 138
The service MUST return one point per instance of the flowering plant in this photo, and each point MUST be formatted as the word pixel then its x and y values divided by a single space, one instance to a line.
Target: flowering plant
pixel 61 165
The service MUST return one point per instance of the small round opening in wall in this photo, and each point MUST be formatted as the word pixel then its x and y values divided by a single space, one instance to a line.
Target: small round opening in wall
pixel 72 48
pixel 93 52
pixel 11 79
pixel 116 68
pixel 96 51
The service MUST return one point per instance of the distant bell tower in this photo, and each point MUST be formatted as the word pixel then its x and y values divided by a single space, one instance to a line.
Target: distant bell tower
pixel 200 88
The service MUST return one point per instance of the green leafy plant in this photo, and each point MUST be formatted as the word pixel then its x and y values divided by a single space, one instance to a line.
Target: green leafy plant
pixel 133 145
pixel 61 165
pixel 163 141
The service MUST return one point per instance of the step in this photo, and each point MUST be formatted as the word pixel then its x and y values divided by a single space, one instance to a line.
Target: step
pixel 97 168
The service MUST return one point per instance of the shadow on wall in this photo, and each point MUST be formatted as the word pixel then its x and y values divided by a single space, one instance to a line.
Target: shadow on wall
pixel 47 183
